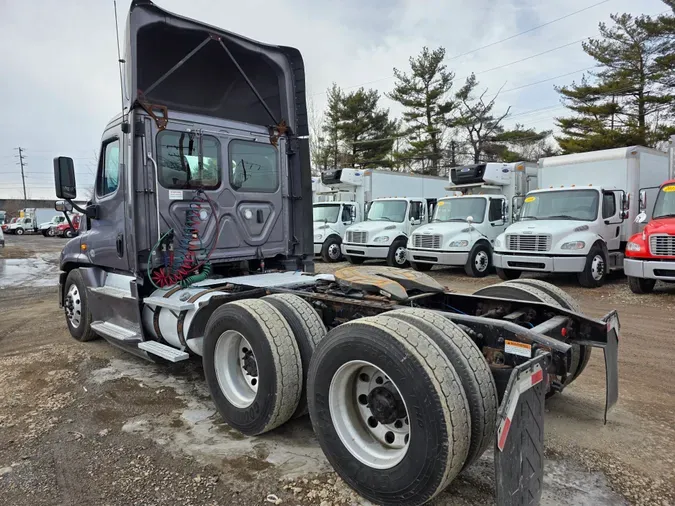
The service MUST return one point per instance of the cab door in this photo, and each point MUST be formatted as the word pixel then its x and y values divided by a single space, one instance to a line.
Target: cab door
pixel 417 215
pixel 497 224
pixel 610 209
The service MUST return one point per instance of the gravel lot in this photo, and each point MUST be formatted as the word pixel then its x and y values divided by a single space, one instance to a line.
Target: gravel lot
pixel 88 424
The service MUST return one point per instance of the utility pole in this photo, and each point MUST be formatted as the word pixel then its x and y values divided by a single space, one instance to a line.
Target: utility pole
pixel 23 178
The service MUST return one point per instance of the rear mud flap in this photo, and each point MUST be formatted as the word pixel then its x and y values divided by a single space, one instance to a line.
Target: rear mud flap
pixel 519 449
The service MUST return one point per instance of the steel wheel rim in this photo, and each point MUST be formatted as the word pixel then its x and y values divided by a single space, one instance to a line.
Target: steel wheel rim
pixel 233 360
pixel 481 261
pixel 74 306
pixel 334 251
pixel 377 445
pixel 598 267
pixel 399 256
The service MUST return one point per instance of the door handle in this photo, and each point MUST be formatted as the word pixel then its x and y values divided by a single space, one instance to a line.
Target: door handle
pixel 120 245
pixel 259 216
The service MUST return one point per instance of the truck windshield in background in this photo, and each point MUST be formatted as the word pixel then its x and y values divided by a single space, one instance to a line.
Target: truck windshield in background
pixel 460 209
pixel 327 213
pixel 561 205
pixel 664 207
pixel 388 210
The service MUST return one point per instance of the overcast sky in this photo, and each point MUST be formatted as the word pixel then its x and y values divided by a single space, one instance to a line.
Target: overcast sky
pixel 60 81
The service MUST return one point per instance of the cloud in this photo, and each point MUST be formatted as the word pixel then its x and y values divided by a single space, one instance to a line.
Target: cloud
pixel 60 79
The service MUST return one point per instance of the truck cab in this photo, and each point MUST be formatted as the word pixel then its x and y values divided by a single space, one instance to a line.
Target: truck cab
pixel 650 254
pixel 464 227
pixel 47 229
pixel 22 225
pixel 384 233
pixel 567 229
pixel 331 220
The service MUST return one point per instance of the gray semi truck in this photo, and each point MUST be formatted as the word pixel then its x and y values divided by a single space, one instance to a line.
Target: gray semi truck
pixel 197 244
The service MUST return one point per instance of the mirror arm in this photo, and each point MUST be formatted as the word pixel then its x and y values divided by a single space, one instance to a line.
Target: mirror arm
pixel 76 207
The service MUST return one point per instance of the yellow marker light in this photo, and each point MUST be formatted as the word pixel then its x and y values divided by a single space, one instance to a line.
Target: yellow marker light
pixel 530 199
pixel 441 203
pixel 83 247
pixel 520 167
pixel 669 189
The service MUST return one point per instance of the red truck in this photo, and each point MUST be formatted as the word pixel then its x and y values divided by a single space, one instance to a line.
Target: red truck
pixel 650 255
pixel 65 230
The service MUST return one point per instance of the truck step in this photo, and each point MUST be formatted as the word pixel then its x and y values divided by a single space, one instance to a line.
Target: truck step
pixel 109 291
pixel 163 351
pixel 173 304
pixel 114 331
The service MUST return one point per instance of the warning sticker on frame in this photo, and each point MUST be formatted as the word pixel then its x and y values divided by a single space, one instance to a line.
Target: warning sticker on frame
pixel 530 199
pixel 516 348
pixel 175 194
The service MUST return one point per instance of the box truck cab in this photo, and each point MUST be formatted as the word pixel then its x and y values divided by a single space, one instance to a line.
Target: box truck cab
pixel 22 225
pixel 384 233
pixel 331 219
pixel 47 229
pixel 579 221
pixel 463 229
pixel 650 254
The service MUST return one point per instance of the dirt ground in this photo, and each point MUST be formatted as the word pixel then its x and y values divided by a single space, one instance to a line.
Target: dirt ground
pixel 88 424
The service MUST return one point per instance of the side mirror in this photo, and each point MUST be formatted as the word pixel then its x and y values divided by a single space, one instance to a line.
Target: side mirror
pixel 505 211
pixel 469 220
pixel 643 201
pixel 625 205
pixel 64 178
pixel 62 206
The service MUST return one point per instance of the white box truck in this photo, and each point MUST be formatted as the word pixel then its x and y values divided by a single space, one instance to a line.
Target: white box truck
pixel 463 229
pixel 392 214
pixel 583 215
pixel 29 220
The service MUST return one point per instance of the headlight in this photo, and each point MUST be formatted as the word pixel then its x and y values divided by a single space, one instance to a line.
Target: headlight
pixel 317 237
pixel 498 243
pixel 574 245
pixel 458 244
pixel 382 238
pixel 633 246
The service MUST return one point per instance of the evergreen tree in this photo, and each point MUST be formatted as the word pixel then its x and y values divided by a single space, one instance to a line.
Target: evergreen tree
pixel 330 141
pixel 625 102
pixel 366 130
pixel 423 93
pixel 522 144
pixel 476 118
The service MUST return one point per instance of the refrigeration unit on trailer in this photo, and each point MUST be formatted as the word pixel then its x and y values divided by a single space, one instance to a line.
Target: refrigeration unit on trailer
pixel 581 218
pixel 389 221
pixel 463 228
pixel 197 242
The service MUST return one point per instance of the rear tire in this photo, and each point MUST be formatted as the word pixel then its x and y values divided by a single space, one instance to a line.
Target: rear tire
pixel 473 371
pixel 45 233
pixel 76 307
pixel 330 251
pixel 397 254
pixel 417 378
pixel 595 270
pixel 420 267
pixel 641 285
pixel 479 262
pixel 308 330
pixel 273 361
pixel 355 260
pixel 508 274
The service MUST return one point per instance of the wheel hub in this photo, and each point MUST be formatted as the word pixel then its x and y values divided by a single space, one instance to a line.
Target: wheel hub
pixel 249 363
pixel 386 404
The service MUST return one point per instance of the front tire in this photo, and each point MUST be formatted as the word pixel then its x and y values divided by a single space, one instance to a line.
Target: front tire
pixel 252 365
pixel 367 379
pixel 330 251
pixel 19 231
pixel 479 262
pixel 76 306
pixel 69 233
pixel 641 285
pixel 397 254
pixel 595 270
pixel 45 233
pixel 508 274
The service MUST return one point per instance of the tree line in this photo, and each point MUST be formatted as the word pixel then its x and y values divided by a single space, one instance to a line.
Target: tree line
pixel 626 99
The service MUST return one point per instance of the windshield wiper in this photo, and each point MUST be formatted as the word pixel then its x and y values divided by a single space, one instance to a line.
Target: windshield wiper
pixel 559 217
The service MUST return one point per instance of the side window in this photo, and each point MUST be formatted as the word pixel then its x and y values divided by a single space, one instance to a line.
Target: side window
pixel 495 212
pixel 416 211
pixel 253 167
pixel 608 205
pixel 109 169
pixel 179 159
pixel 347 213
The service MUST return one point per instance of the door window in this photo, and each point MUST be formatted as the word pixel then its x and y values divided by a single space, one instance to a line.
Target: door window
pixel 495 212
pixel 109 169
pixel 416 210
pixel 608 205
pixel 347 213
pixel 253 167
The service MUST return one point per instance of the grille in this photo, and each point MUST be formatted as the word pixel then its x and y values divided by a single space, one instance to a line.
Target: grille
pixel 357 237
pixel 662 245
pixel 426 241
pixel 529 242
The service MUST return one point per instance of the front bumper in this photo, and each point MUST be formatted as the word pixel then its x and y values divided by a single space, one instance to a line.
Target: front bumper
pixel 429 256
pixel 651 269
pixel 364 250
pixel 539 263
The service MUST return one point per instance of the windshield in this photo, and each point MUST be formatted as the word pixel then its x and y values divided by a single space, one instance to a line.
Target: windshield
pixel 387 210
pixel 327 213
pixel 561 205
pixel 664 207
pixel 459 209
